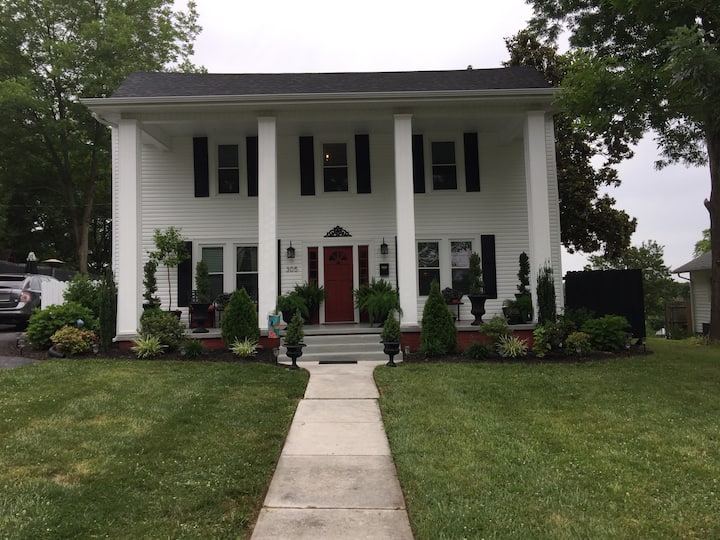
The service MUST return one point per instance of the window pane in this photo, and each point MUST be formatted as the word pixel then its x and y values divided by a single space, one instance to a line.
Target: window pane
pixel 228 156
pixel 336 179
pixel 443 153
pixel 249 282
pixel 460 252
pixel 334 155
pixel 426 277
pixel 461 279
pixel 428 255
pixel 216 285
pixel 444 177
pixel 213 257
pixel 229 181
pixel 247 259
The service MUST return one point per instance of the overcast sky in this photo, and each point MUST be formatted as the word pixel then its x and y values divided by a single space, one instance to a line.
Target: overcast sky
pixel 276 36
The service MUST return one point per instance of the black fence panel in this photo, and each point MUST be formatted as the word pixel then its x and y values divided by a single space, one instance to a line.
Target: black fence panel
pixel 608 292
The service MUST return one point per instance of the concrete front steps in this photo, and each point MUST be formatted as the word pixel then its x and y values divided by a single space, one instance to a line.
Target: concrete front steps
pixel 330 348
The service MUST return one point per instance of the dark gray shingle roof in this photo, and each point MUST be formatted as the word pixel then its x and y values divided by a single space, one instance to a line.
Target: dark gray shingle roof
pixel 703 262
pixel 155 84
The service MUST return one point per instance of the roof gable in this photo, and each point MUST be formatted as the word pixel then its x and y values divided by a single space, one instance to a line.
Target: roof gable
pixel 158 84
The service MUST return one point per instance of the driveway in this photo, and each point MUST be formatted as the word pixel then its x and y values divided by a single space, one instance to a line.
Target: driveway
pixel 8 335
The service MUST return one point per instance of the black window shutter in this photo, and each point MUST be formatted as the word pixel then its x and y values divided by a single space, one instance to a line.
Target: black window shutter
pixel 418 158
pixel 201 166
pixel 472 162
pixel 184 280
pixel 362 163
pixel 307 166
pixel 251 144
pixel 489 269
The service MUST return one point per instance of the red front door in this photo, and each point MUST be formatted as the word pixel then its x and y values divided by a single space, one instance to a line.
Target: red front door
pixel 339 284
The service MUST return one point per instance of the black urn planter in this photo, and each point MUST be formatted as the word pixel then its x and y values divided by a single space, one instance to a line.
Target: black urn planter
pixel 294 351
pixel 200 315
pixel 478 307
pixel 391 348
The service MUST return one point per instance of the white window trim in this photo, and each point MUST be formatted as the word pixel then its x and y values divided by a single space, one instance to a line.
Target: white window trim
pixel 458 141
pixel 214 144
pixel 320 161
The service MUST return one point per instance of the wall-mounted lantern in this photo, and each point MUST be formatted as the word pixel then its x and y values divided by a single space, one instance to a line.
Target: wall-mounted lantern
pixel 383 247
pixel 291 251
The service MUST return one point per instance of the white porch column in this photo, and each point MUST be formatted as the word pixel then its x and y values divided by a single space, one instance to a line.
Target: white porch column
pixel 129 242
pixel 267 218
pixel 405 216
pixel 536 179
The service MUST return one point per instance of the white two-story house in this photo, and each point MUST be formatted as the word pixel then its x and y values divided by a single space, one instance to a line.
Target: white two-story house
pixel 396 175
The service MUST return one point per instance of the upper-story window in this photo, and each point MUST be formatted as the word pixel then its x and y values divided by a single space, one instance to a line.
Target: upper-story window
pixel 335 167
pixel 228 168
pixel 444 167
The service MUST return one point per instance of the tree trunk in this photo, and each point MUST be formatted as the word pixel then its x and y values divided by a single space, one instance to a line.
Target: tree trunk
pixel 713 206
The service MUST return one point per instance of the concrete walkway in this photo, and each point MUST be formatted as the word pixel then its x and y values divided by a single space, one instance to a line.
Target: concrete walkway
pixel 335 478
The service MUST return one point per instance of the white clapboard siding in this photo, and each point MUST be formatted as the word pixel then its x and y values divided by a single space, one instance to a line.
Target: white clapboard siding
pixel 499 209
pixel 701 292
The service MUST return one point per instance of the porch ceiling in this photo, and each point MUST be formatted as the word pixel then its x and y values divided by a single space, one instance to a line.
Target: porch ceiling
pixel 289 123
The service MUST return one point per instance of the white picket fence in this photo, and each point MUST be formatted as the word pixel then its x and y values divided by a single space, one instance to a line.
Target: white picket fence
pixel 52 293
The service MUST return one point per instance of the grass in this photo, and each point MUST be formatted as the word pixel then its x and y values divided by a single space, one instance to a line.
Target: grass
pixel 623 448
pixel 130 449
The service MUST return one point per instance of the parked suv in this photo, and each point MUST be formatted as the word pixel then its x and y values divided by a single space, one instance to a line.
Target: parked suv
pixel 19 295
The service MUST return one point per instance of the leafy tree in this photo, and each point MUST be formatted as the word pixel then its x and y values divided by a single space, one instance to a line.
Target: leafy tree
pixel 588 222
pixel 642 65
pixel 658 285
pixel 702 246
pixel 55 158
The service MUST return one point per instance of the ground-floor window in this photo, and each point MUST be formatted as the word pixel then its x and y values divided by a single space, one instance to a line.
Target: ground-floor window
pixel 460 265
pixel 246 276
pixel 444 261
pixel 213 257
pixel 428 265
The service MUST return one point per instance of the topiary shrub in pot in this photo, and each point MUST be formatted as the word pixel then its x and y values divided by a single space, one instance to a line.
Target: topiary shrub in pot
pixel 476 294
pixel 390 338
pixel 294 334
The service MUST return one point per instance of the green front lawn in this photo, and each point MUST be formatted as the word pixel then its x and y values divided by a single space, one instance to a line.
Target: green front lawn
pixel 623 448
pixel 130 449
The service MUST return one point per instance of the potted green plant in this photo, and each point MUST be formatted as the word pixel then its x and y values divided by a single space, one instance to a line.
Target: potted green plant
pixel 314 295
pixel 451 296
pixel 200 304
pixel 170 251
pixel 378 298
pixel 476 294
pixel 523 275
pixel 289 303
pixel 294 335
pixel 150 284
pixel 390 337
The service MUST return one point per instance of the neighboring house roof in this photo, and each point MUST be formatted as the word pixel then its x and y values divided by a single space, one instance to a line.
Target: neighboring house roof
pixel 703 262
pixel 155 84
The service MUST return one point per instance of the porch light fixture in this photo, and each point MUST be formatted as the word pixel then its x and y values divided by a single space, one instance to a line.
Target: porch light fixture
pixel 291 251
pixel 383 247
